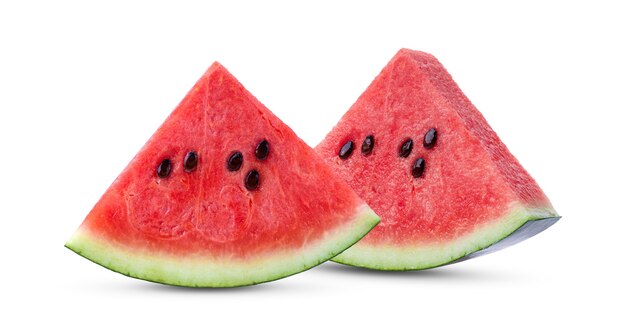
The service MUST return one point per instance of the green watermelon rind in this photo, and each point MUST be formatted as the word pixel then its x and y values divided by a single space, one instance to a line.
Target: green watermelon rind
pixel 418 257
pixel 209 272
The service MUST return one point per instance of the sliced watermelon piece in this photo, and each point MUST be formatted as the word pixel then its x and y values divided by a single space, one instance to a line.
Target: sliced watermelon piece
pixel 423 157
pixel 223 194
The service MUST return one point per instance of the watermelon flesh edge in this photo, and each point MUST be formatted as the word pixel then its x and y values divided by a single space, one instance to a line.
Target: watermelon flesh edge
pixel 470 246
pixel 473 197
pixel 218 272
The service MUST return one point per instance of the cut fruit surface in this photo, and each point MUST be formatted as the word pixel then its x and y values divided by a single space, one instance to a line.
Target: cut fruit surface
pixel 443 183
pixel 223 194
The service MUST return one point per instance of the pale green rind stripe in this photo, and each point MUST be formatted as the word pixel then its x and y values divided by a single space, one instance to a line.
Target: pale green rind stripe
pixel 388 257
pixel 213 272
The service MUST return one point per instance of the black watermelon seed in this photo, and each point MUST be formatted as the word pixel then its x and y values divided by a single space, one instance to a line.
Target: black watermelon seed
pixel 418 167
pixel 346 150
pixel 430 138
pixel 405 148
pixel 164 168
pixel 252 180
pixel 262 150
pixel 191 161
pixel 235 161
pixel 368 145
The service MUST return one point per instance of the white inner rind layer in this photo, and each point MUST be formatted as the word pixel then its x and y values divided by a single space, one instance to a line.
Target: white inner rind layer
pixel 203 271
pixel 423 256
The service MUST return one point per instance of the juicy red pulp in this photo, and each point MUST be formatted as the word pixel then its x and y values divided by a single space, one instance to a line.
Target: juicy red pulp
pixel 232 197
pixel 459 178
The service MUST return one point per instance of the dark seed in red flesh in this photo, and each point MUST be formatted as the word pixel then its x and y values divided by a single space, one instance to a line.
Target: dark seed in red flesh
pixel 346 150
pixel 252 180
pixel 191 161
pixel 235 161
pixel 418 168
pixel 430 138
pixel 368 145
pixel 405 148
pixel 164 168
pixel 262 150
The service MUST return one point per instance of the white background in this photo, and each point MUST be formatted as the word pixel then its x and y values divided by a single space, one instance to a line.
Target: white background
pixel 82 87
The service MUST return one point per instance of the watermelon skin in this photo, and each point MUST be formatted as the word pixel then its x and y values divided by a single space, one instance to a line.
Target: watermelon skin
pixel 204 228
pixel 473 193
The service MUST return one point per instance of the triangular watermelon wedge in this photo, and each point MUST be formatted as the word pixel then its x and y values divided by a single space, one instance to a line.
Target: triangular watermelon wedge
pixel 425 160
pixel 223 194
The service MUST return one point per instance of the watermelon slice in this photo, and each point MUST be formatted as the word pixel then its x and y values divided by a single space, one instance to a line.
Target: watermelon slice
pixel 223 194
pixel 421 155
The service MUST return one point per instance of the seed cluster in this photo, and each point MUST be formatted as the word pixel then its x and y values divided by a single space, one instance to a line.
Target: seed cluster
pixel 252 179
pixel 164 169
pixel 404 150
pixel 234 162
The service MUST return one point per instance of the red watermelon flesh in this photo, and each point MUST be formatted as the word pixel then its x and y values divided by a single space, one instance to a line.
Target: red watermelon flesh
pixel 206 224
pixel 466 194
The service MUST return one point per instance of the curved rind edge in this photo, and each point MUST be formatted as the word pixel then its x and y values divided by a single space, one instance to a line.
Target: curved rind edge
pixel 482 241
pixel 210 272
